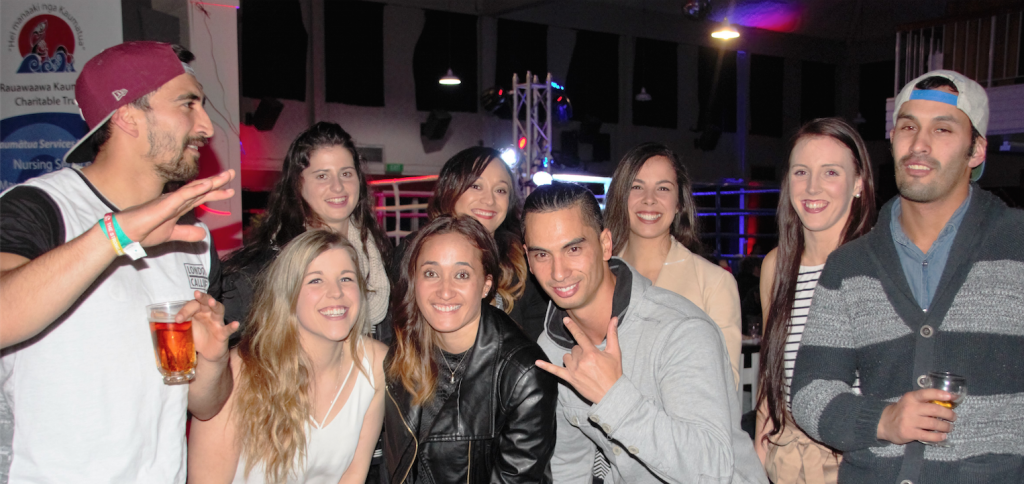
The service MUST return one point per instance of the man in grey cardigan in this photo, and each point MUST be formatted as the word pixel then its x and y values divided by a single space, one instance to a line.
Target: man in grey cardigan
pixel 936 286
pixel 647 392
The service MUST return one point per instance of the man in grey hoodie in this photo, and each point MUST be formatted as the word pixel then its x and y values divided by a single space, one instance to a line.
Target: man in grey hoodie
pixel 646 392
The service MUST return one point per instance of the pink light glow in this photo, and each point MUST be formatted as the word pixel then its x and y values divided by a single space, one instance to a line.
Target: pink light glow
pixel 774 15
pixel 407 180
pixel 215 212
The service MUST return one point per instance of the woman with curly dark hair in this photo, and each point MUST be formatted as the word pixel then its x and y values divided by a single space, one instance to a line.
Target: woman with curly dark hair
pixel 322 185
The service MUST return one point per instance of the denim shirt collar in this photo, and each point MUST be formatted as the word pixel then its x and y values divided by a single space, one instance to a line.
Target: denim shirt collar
pixel 945 237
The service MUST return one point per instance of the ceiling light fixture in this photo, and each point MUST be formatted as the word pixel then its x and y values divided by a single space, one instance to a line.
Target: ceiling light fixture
pixel 726 31
pixel 643 96
pixel 449 79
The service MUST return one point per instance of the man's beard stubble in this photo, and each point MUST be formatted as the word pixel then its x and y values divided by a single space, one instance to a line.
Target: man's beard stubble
pixel 925 193
pixel 178 169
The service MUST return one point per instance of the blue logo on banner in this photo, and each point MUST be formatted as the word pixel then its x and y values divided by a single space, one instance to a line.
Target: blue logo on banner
pixel 58 63
pixel 35 144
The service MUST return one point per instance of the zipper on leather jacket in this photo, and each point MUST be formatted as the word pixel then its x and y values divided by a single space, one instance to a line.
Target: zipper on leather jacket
pixel 469 462
pixel 416 443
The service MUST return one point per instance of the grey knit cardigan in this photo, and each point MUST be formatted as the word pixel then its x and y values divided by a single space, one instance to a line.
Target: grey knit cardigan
pixel 865 319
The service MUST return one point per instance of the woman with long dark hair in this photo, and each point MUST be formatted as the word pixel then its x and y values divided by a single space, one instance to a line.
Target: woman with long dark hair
pixel 322 185
pixel 827 199
pixel 308 397
pixel 477 183
pixel 466 402
pixel 652 217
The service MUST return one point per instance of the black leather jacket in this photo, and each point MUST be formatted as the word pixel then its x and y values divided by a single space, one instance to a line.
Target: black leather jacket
pixel 498 427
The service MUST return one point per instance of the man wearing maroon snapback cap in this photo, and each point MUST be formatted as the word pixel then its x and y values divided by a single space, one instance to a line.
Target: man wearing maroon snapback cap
pixel 83 252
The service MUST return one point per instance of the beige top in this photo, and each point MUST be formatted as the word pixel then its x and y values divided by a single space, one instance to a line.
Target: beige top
pixel 712 289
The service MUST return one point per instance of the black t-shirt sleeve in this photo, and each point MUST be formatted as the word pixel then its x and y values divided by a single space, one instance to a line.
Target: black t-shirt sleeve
pixel 216 288
pixel 30 222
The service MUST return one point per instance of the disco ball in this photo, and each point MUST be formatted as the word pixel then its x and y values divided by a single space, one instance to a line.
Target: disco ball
pixel 697 9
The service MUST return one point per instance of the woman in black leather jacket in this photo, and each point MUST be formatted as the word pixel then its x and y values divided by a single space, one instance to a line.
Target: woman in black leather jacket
pixel 465 401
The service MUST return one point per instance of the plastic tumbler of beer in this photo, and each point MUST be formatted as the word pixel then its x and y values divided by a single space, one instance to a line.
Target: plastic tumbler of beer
pixel 956 385
pixel 172 342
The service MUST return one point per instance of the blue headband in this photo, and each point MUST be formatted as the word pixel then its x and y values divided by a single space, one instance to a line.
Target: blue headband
pixel 934 95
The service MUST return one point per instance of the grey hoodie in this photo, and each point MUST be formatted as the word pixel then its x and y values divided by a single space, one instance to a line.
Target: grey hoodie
pixel 674 414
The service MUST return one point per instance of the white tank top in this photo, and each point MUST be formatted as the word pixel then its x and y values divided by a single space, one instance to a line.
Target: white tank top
pixel 329 450
pixel 88 402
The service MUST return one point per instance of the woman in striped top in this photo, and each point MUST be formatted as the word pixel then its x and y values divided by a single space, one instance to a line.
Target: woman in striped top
pixel 827 199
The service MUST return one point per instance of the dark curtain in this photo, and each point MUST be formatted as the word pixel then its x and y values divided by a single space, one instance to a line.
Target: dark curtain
pixel 766 86
pixel 522 46
pixel 655 68
pixel 593 79
pixel 876 80
pixel 716 88
pixel 817 90
pixel 273 49
pixel 354 52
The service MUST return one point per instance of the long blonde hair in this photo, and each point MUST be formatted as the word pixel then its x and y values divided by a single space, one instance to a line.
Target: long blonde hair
pixel 272 402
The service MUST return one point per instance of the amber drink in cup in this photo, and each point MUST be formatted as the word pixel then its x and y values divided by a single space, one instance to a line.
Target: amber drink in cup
pixel 173 346
pixel 956 385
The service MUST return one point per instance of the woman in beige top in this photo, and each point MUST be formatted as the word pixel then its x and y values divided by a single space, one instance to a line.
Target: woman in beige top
pixel 652 217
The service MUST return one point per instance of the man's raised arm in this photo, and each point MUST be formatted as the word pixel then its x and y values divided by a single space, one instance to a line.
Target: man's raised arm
pixel 66 272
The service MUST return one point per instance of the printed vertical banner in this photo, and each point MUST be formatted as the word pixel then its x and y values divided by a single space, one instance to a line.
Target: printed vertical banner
pixel 46 45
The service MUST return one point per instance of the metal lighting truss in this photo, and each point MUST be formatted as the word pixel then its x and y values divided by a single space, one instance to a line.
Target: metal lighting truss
pixel 528 99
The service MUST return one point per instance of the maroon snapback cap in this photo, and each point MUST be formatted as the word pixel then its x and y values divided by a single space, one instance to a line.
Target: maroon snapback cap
pixel 116 77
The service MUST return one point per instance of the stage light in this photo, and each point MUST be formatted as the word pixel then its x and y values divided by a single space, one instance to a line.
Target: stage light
pixel 642 96
pixel 563 109
pixel 492 99
pixel 449 79
pixel 556 85
pixel 725 32
pixel 510 156
pixel 541 178
pixel 522 143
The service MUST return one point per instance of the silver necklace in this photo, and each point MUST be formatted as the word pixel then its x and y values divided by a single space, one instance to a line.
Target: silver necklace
pixel 450 370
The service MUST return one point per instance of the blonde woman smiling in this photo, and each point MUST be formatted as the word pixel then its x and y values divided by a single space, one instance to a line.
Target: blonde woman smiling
pixel 308 400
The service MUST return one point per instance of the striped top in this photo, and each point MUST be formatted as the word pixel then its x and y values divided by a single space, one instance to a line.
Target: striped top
pixel 806 281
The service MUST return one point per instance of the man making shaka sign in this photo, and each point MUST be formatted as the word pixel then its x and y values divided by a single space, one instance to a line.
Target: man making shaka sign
pixel 647 379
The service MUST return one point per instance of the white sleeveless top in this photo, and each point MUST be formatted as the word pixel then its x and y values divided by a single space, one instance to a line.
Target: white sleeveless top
pixel 88 403
pixel 329 450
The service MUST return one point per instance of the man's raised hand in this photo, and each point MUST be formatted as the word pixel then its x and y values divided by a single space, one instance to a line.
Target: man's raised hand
pixel 589 370
pixel 156 222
